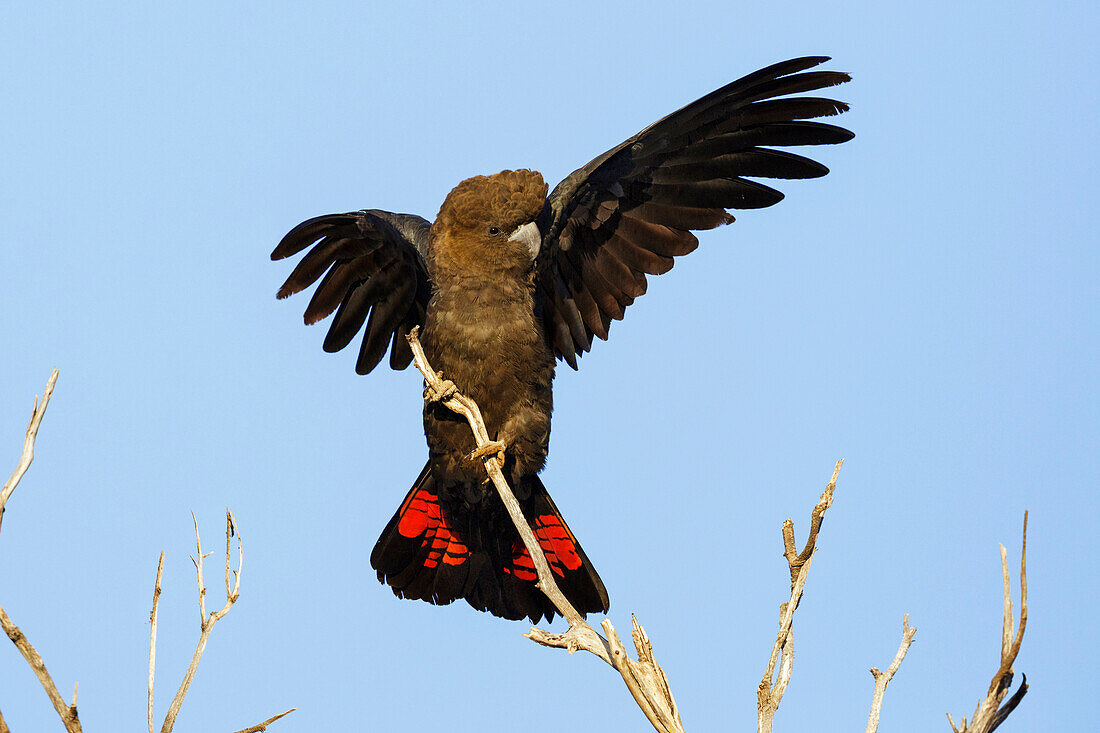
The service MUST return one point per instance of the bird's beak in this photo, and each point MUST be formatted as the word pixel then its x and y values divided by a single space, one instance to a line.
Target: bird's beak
pixel 530 235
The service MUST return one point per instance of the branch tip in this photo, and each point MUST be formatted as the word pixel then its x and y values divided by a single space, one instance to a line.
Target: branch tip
pixel 990 712
pixel 773 684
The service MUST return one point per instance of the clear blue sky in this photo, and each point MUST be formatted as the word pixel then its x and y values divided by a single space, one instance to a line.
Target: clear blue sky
pixel 928 312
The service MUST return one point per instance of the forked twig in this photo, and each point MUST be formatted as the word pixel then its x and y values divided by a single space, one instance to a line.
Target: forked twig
pixel 207 621
pixel 770 691
pixel 990 713
pixel 882 679
pixel 644 678
pixel 232 592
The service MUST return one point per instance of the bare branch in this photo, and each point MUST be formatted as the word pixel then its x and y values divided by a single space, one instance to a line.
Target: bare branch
pixel 644 678
pixel 770 691
pixel 260 727
pixel 882 679
pixel 67 712
pixel 34 659
pixel 198 570
pixel 153 637
pixel 795 559
pixel 990 713
pixel 231 595
pixel 37 413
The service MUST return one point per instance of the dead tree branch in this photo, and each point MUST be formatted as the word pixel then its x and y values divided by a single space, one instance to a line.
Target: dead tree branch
pixel 66 711
pixel 645 679
pixel 37 413
pixel 206 623
pixel 260 727
pixel 770 691
pixel 882 679
pixel 153 639
pixel 990 713
pixel 34 659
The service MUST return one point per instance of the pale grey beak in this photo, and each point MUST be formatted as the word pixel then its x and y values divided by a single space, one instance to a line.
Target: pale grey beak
pixel 530 236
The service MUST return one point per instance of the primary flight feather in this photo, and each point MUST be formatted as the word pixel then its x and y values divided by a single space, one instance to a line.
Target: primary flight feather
pixel 505 281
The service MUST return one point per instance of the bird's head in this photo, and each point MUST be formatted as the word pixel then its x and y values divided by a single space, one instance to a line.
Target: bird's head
pixel 486 226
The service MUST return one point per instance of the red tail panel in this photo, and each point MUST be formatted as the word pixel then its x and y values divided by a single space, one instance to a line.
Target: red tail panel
pixel 557 543
pixel 420 518
pixel 523 567
pixel 438 547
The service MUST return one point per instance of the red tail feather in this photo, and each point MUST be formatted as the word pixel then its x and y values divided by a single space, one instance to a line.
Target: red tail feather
pixel 440 547
pixel 421 518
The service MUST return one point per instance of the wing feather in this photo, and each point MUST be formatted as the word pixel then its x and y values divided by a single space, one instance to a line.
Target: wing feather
pixel 631 210
pixel 373 270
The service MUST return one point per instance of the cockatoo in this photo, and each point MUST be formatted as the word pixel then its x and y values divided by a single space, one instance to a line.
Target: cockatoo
pixel 507 280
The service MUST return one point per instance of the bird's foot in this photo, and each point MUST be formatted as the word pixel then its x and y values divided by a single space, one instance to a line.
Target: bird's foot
pixel 446 391
pixel 492 448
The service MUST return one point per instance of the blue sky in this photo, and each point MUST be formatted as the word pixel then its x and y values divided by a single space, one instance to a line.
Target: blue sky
pixel 928 312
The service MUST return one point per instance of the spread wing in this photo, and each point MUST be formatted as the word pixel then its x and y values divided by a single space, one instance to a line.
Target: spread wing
pixel 630 211
pixel 373 263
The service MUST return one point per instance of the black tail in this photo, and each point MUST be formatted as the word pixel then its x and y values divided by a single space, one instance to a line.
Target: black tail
pixel 440 547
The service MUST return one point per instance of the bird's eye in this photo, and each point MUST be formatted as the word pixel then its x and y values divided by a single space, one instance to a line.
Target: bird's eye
pixel 493 231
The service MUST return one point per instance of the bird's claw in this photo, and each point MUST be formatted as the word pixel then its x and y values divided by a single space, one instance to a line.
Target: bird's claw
pixel 444 392
pixel 492 448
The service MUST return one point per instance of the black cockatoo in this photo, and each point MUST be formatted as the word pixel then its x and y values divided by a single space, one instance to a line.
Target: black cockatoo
pixel 505 281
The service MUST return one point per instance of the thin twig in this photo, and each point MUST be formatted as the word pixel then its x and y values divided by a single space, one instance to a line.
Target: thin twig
pixel 66 711
pixel 644 678
pixel 990 712
pixel 3 725
pixel 153 637
pixel 260 727
pixel 770 691
pixel 25 459
pixel 231 595
pixel 882 679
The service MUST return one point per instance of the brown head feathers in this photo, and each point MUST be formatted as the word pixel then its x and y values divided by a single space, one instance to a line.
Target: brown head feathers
pixel 471 231
pixel 504 200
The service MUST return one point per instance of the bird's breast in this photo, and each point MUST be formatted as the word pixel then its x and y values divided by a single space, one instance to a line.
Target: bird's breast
pixel 490 344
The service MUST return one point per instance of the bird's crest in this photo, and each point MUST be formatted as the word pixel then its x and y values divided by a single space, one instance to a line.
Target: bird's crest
pixel 505 200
